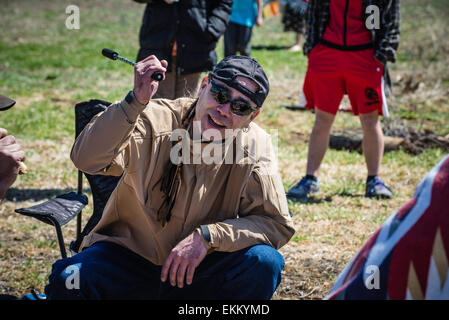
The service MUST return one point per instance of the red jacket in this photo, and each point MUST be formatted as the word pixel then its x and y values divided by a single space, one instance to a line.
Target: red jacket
pixel 346 24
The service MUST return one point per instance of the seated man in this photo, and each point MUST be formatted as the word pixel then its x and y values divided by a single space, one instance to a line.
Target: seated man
pixel 189 229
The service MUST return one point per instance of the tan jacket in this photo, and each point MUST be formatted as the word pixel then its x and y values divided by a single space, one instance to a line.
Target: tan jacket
pixel 241 204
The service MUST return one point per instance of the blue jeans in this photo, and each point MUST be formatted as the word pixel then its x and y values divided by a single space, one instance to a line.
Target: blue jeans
pixel 109 271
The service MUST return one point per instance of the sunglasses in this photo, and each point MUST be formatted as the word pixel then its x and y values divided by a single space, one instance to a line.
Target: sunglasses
pixel 221 95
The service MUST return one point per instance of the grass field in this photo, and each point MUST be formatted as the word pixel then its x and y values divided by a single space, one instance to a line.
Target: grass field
pixel 47 69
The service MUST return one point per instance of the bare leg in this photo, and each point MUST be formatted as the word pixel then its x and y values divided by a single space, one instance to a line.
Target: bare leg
pixel 319 140
pixel 298 38
pixel 297 46
pixel 373 142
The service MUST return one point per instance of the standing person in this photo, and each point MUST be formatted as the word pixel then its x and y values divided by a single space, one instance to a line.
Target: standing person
pixel 184 33
pixel 344 56
pixel 245 14
pixel 293 19
pixel 189 229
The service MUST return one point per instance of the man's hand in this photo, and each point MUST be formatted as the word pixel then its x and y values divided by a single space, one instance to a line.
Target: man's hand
pixel 184 257
pixel 11 154
pixel 144 86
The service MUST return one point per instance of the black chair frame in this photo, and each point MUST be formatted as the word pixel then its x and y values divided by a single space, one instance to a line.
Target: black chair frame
pixel 64 208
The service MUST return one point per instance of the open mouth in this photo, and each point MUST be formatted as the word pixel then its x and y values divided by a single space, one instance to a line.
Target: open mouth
pixel 215 124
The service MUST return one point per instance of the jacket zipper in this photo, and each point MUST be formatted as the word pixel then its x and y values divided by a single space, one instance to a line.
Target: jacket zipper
pixel 345 22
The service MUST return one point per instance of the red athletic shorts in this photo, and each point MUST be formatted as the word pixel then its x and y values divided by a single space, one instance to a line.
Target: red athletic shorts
pixel 331 73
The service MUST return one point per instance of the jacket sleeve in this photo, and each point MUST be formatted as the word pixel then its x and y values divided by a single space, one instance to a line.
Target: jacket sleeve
pixel 263 219
pixel 101 146
pixel 389 33
pixel 218 18
pixel 312 20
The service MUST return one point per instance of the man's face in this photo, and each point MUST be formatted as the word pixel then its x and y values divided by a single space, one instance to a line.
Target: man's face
pixel 213 115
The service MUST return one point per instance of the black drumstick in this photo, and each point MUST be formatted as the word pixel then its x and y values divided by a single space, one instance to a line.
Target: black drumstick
pixel 111 54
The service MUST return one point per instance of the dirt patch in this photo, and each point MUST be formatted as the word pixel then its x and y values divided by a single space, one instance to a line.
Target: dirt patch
pixel 415 141
pixel 396 136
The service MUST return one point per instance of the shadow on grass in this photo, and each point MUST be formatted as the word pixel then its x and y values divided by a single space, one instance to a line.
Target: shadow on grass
pixel 348 194
pixel 296 108
pixel 311 200
pixel 328 198
pixel 270 47
pixel 14 194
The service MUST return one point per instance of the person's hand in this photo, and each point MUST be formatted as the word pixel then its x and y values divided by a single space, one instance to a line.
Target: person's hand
pixel 170 1
pixel 184 257
pixel 259 21
pixel 3 133
pixel 144 86
pixel 11 154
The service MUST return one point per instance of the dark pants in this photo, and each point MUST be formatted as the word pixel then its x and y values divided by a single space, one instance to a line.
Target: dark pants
pixel 109 271
pixel 237 39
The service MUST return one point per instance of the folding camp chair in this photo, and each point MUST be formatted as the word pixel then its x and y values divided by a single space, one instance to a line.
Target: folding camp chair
pixel 64 208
